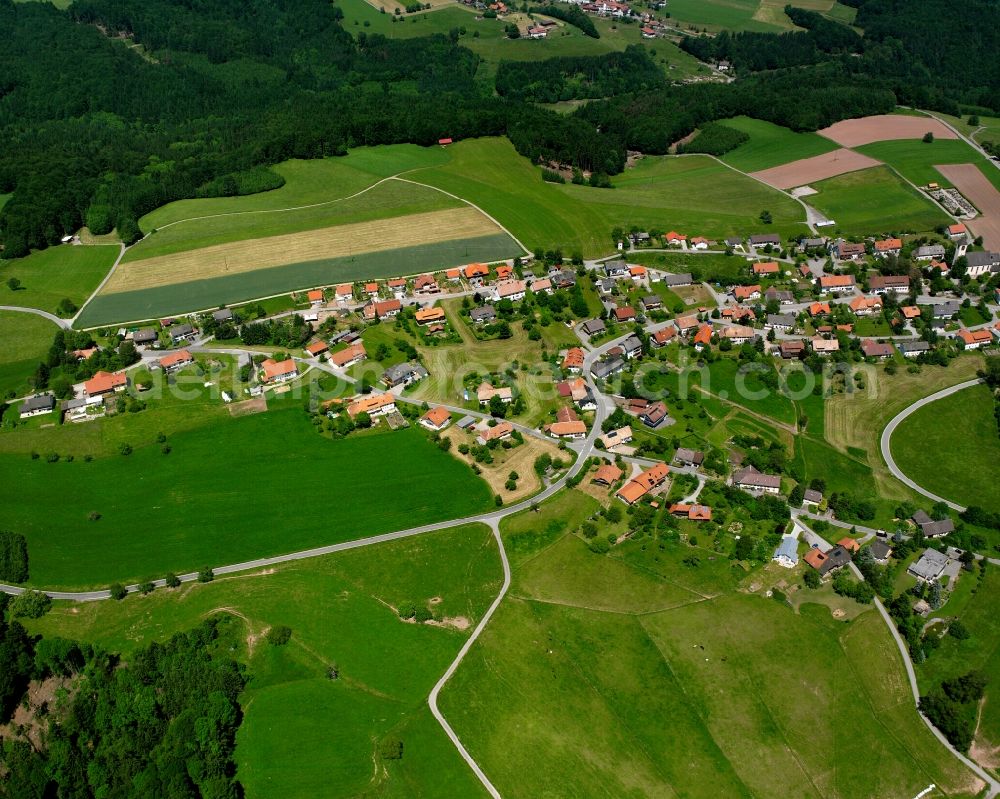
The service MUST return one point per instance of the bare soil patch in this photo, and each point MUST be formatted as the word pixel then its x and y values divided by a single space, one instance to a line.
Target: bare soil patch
pixel 855 132
pixel 970 180
pixel 250 255
pixel 247 407
pixel 819 167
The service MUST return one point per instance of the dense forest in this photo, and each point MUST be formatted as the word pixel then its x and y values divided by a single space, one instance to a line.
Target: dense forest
pixel 162 723
pixel 114 107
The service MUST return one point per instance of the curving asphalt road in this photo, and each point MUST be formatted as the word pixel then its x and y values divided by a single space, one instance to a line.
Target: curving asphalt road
pixel 885 441
pixel 65 324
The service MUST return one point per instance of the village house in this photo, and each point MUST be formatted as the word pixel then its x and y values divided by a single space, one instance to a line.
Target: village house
pixel 476 273
pixel 886 247
pixel 675 239
pixel 828 562
pixel 957 231
pixel 787 552
pixel 371 289
pixel 498 432
pixel 812 243
pixel 315 296
pixel 317 348
pixel 881 284
pixel 689 457
pixel 572 429
pixel 615 438
pixel 663 336
pixel 104 383
pixel 175 360
pixel 746 292
pixel 866 306
pixel 777 321
pixel 607 367
pixel 911 349
pixel 279 371
pixel 632 347
pixel 485 314
pixel 946 310
pixel 792 349
pixel 749 479
pixel 779 296
pixel 403 374
pixel 344 293
pixel 637 273
pixel 625 314
pixel 386 309
pixel 344 358
pixel 651 302
pixel 426 284
pixel 649 480
pixel 737 312
pixel 83 355
pixel 654 415
pixel 910 312
pixel 222 315
pixel 876 349
pixel 703 337
pixel 182 332
pixel 973 339
pixel 37 405
pixel 929 252
pixel 824 346
pixel 486 392
pixel 675 281
pixel 738 334
pixel 374 405
pixel 930 566
pixel 428 316
pixel 398 287
pixel 981 263
pixel 541 286
pixel 513 290
pixel 616 268
pixel 837 284
pixel 699 243
pixel 436 419
pixel 811 497
pixel 573 360
pixel 687 325
pixel 818 309
pixel 607 474
pixel 764 239
pixel 766 268
pixel 695 513
pixel 593 327
pixel 881 551
pixel 848 251
pixel 143 336
pixel 734 242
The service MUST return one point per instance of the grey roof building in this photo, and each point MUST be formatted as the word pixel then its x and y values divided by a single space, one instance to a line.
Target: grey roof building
pixel 615 268
pixel 483 314
pixel 734 241
pixel 223 315
pixel 403 374
pixel 983 260
pixel 604 369
pixel 938 529
pixel 760 239
pixel 750 478
pixel 593 327
pixel 880 551
pixel 178 332
pixel 787 552
pixel 812 496
pixel 784 321
pixel 946 310
pixel 38 404
pixel 144 335
pixel 929 252
pixel 930 566
pixel 912 348
pixel 632 346
pixel 682 279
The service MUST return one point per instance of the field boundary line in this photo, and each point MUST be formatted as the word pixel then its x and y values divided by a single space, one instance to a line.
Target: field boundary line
pixel 432 700
pixel 121 254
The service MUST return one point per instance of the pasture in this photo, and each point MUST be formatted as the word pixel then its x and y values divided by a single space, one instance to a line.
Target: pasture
pixel 235 490
pixel 727 379
pixel 49 276
pixel 960 431
pixel 568 689
pixel 875 201
pixel 341 609
pixel 695 194
pixel 771 145
pixel 26 340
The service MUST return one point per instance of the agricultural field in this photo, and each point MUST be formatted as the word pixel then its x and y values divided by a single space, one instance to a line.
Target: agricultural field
pixel 57 273
pixel 884 127
pixel 960 431
pixel 988 128
pixel 915 160
pixel 692 193
pixel 206 503
pixel 586 642
pixel 875 201
pixel 727 380
pixel 341 610
pixel 26 340
pixel 771 145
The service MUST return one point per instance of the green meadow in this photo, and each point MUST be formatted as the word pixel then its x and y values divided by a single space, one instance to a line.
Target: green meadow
pixel 772 145
pixel 49 276
pixel 26 340
pixel 874 201
pixel 694 194
pixel 959 430
pixel 304 735
pixel 646 675
pixel 728 379
pixel 915 160
pixel 235 490
pixel 211 292
pixel 761 16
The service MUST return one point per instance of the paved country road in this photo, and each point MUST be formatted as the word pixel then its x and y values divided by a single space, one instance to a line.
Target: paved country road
pixel 65 324
pixel 885 442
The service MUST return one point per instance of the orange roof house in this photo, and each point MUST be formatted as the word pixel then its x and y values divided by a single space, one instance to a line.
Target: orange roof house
pixel 639 486
pixel 888 245
pixel 815 558
pixel 315 296
pixel 608 474
pixel 910 311
pixel 571 429
pixel 105 383
pixel 371 288
pixel 836 281
pixel 766 268
pixel 703 336
pixel 700 513
pixel 453 274
pixel 746 292
pixel 176 360
pixel 819 308
pixel 849 544
pixel 637 271
pixel 476 270
pixel 573 362
pixel 317 348
pixel 975 338
pixel 863 306
pixel 351 355
pixel 344 290
pixel 397 283
pixel 502 430
pixel 673 237
pixel 957 229
pixel 373 405
pixel 277 371
pixel 427 315
pixel 663 336
pixel 504 271
pixel 436 418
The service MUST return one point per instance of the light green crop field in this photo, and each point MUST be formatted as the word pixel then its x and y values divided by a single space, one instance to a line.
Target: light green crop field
pixel 602 678
pixel 875 201
pixel 304 735
pixel 766 16
pixel 842 13
pixel 235 490
pixel 49 276
pixel 386 200
pixel 961 431
pixel 915 160
pixel 26 340
pixel 988 128
pixel 772 145
pixel 694 194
